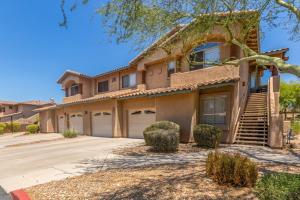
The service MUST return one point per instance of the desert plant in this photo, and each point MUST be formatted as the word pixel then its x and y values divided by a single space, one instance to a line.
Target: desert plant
pixel 164 140
pixel 234 169
pixel 278 186
pixel 161 125
pixel 163 136
pixel 13 127
pixel 296 127
pixel 207 135
pixel 32 128
pixel 70 134
pixel 2 128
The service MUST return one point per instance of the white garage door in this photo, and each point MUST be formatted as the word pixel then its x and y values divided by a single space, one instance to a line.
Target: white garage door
pixel 139 120
pixel 102 124
pixel 76 122
pixel 61 124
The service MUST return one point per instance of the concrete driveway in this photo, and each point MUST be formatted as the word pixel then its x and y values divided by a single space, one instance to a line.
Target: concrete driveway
pixel 34 163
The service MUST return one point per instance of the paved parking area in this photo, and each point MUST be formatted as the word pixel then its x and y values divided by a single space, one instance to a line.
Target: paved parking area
pixel 20 138
pixel 31 164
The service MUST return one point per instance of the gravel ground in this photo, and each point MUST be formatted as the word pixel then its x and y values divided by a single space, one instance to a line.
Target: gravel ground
pixel 151 182
pixel 159 182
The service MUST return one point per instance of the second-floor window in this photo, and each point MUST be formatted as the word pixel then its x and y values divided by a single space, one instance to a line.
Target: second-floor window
pixel 74 89
pixel 205 55
pixel 129 80
pixel 103 86
pixel 171 67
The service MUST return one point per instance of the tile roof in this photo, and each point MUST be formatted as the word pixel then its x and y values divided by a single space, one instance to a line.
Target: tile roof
pixel 35 102
pixel 135 93
pixel 8 103
pixel 62 77
pixel 276 51
pixel 186 87
pixel 112 71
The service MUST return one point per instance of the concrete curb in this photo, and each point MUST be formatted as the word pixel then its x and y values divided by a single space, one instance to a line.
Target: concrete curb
pixel 19 195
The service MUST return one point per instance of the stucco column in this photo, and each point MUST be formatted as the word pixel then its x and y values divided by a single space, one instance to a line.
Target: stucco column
pixel 275 138
pixel 117 119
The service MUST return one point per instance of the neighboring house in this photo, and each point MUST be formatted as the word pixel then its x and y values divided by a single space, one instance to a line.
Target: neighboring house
pixel 241 100
pixel 20 111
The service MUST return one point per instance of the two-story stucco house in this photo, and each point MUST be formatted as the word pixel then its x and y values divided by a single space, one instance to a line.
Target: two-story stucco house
pixel 241 100
pixel 10 110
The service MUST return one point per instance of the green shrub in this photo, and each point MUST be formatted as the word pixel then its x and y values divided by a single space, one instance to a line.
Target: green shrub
pixel 70 134
pixel 234 169
pixel 32 128
pixel 161 125
pixel 296 127
pixel 207 135
pixel 2 128
pixel 163 136
pixel 13 127
pixel 164 140
pixel 278 186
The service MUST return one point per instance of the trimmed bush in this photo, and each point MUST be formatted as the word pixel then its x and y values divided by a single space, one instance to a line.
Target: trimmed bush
pixel 233 169
pixel 70 134
pixel 2 128
pixel 13 127
pixel 278 186
pixel 207 135
pixel 32 128
pixel 163 136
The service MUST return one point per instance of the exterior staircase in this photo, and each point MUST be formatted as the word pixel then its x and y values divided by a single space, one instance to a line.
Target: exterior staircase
pixel 253 124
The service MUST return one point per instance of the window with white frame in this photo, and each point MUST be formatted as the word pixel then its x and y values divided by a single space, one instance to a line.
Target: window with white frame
pixel 205 55
pixel 129 80
pixel 214 109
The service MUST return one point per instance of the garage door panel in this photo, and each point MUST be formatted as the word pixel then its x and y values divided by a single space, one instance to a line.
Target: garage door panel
pixel 102 124
pixel 76 123
pixel 138 121
pixel 61 124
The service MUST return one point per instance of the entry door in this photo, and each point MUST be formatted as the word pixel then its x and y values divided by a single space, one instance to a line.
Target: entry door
pixel 76 122
pixel 61 124
pixel 102 124
pixel 139 120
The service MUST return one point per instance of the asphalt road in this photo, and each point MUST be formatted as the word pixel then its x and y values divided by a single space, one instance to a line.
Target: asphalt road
pixel 33 163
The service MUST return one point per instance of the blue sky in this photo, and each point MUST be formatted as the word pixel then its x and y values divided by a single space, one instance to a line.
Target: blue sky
pixel 35 51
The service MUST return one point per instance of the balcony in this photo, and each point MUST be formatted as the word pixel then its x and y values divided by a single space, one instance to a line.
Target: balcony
pixel 204 75
pixel 72 98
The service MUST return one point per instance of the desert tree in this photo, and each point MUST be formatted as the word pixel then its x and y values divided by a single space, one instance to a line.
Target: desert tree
pixel 144 21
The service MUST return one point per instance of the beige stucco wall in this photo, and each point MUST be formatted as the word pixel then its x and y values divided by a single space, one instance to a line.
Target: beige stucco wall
pixel 204 75
pixel 181 109
pixel 157 75
pixel 47 121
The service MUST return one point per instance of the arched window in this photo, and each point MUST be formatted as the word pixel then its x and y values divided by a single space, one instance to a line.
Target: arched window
pixel 205 55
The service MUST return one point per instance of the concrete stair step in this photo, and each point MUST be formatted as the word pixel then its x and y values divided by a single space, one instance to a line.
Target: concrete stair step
pixel 252 138
pixel 243 130
pixel 253 134
pixel 260 143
